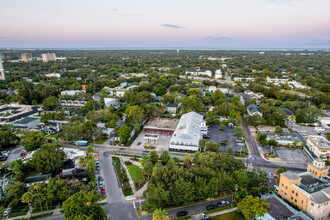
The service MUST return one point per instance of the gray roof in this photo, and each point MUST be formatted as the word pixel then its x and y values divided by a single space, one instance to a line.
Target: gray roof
pixel 245 96
pixel 27 120
pixel 291 176
pixel 172 105
pixel 287 111
pixel 253 108
pixel 319 197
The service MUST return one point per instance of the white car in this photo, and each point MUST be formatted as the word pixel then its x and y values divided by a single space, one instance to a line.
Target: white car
pixel 205 217
pixel 7 212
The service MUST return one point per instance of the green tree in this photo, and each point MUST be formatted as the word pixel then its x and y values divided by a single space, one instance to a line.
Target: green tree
pixel 33 141
pixel 272 142
pixel 280 170
pixel 253 207
pixel 8 139
pixel 230 150
pixel 124 132
pixel 165 157
pixel 153 157
pixel 50 103
pixel 83 205
pixel 27 198
pixel 147 169
pixel 48 159
pixel 15 190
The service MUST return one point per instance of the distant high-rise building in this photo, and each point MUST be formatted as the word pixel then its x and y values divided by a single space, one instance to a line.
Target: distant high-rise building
pixel 2 71
pixel 178 51
pixel 48 57
pixel 26 57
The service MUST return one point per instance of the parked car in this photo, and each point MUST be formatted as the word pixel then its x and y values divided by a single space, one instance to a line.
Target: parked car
pixel 205 217
pixel 138 143
pixel 7 212
pixel 100 182
pixel 223 203
pixel 3 158
pixel 103 192
pixel 97 166
pixel 181 214
pixel 275 187
pixel 210 207
pixel 97 161
pixel 144 152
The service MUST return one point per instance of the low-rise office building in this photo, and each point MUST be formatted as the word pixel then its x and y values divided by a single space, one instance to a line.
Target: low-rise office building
pixel 319 145
pixel 160 126
pixel 318 168
pixel 189 132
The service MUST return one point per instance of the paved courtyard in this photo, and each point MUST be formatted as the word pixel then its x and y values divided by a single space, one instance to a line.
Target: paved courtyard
pixel 161 143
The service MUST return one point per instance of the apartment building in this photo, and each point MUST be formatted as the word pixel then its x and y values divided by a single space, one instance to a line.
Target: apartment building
pixel 318 168
pixel 48 57
pixel 26 57
pixel 319 145
pixel 199 72
pixel 310 193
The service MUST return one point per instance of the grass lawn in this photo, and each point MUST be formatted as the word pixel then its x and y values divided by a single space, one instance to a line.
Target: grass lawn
pixel 42 216
pixel 217 210
pixel 100 141
pixel 19 211
pixel 37 208
pixel 136 173
pixel 183 218
pixel 127 190
pixel 229 216
pixel 54 135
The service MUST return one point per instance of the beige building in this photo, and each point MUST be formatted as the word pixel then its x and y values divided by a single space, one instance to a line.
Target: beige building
pixel 48 57
pixel 318 168
pixel 26 57
pixel 319 145
pixel 310 193
pixel 2 70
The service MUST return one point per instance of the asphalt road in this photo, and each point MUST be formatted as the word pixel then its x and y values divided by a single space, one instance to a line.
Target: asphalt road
pixel 192 210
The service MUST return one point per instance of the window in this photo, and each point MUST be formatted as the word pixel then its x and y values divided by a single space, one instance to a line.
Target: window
pixel 295 201
pixel 291 198
pixel 285 193
pixel 292 192
pixel 312 204
pixel 296 194
pixel 286 187
pixel 282 184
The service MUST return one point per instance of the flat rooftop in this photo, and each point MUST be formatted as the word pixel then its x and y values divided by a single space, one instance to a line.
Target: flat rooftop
pixel 162 123
pixel 320 140
pixel 311 183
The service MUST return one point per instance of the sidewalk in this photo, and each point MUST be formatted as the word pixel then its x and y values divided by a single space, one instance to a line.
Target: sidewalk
pixel 198 216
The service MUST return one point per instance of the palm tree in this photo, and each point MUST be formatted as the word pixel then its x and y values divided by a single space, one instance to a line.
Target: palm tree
pixel 90 165
pixel 36 187
pixel 148 169
pixel 82 161
pixel 89 150
pixel 187 160
pixel 27 198
pixel 160 214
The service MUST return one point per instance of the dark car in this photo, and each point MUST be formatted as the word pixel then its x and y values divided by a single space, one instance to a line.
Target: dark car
pixel 223 203
pixel 181 214
pixel 138 143
pixel 97 167
pixel 210 207
pixel 103 192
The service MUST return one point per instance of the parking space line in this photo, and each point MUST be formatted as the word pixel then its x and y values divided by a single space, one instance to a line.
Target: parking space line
pixel 134 204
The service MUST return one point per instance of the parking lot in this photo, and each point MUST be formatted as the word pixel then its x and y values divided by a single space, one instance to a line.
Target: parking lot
pixel 217 135
pixel 292 156
pixel 161 143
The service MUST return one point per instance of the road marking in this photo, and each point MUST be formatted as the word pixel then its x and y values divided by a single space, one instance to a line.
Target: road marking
pixel 134 204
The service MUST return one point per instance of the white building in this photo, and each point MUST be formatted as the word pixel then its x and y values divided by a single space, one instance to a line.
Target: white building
pixel 56 75
pixel 319 145
pixel 247 79
pixel 225 90
pixel 188 132
pixel 71 92
pixel 110 102
pixel 218 74
pixel 199 72
pixel 212 89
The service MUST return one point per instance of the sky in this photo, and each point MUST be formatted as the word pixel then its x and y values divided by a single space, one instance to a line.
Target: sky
pixel 216 24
